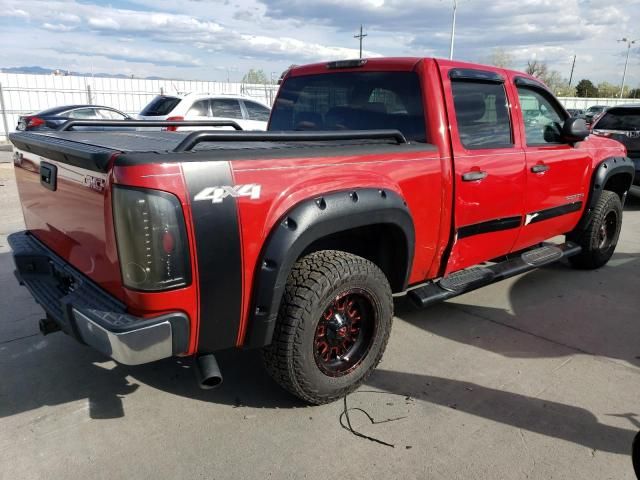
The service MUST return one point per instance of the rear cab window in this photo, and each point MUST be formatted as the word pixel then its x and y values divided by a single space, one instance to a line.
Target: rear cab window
pixel 351 101
pixel 160 106
pixel 482 114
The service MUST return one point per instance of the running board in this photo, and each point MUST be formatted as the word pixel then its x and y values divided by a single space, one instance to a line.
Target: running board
pixel 469 279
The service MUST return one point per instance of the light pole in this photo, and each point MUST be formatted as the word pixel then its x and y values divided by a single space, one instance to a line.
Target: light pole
pixel 453 28
pixel 629 42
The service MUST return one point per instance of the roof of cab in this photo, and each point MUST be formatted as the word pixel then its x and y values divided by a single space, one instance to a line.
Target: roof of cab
pixel 400 64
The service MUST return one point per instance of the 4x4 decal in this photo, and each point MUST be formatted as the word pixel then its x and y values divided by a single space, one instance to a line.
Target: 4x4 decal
pixel 218 194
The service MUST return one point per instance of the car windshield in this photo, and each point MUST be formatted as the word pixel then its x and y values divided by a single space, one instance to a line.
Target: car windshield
pixel 351 101
pixel 161 105
pixel 595 109
pixel 620 119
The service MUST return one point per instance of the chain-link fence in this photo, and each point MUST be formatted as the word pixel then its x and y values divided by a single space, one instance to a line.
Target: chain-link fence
pixel 21 94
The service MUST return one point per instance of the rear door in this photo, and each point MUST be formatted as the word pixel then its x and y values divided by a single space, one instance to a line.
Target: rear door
pixel 556 173
pixel 489 166
pixel 228 109
pixel 256 115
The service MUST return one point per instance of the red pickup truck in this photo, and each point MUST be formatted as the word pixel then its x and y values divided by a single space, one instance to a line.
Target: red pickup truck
pixel 377 178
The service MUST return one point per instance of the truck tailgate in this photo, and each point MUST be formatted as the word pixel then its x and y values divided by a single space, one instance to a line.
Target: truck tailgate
pixel 67 205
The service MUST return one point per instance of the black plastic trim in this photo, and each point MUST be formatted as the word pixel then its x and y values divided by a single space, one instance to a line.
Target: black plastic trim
pixel 307 222
pixel 473 74
pixel 219 256
pixel 207 136
pixel 548 213
pixel 68 125
pixel 489 226
pixel 603 172
pixel 528 82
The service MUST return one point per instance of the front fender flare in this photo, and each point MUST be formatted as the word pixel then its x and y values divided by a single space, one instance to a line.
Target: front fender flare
pixel 602 173
pixel 306 222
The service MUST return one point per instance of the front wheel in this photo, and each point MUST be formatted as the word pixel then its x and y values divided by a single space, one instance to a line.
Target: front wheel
pixel 599 239
pixel 332 328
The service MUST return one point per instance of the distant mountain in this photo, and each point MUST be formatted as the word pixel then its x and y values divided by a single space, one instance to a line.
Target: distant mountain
pixel 49 71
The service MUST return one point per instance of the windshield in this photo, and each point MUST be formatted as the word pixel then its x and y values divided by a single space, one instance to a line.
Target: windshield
pixel 351 101
pixel 620 119
pixel 159 106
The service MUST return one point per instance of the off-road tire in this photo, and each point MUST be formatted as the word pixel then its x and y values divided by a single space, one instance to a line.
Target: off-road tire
pixel 314 281
pixel 594 254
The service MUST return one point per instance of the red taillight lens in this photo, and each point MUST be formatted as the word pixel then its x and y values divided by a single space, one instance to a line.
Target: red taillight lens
pixel 34 122
pixel 173 119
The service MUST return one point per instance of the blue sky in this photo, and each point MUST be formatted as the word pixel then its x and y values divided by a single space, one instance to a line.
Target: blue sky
pixel 210 40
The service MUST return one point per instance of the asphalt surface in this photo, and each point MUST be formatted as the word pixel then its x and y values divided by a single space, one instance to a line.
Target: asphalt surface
pixel 533 378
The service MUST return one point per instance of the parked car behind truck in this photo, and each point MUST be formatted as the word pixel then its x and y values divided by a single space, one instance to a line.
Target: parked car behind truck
pixel 378 177
pixel 248 113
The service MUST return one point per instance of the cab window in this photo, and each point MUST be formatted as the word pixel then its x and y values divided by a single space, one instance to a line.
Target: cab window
pixel 543 118
pixel 482 114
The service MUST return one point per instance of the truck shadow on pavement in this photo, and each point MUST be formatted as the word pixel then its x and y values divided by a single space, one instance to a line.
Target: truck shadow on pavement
pixel 553 419
pixel 55 370
pixel 560 312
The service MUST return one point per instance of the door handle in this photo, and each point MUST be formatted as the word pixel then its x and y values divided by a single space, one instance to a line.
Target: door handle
pixel 540 168
pixel 474 175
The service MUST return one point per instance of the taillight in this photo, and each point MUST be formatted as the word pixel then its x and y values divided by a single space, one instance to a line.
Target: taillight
pixel 34 122
pixel 173 119
pixel 152 239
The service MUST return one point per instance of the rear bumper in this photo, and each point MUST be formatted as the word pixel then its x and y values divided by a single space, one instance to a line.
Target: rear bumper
pixel 84 311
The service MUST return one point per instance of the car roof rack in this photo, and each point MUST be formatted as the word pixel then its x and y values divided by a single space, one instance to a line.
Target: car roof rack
pixel 195 138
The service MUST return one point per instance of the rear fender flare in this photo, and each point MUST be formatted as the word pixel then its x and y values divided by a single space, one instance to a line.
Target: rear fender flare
pixel 308 221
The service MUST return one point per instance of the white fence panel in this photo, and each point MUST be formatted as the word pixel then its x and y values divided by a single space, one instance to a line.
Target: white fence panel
pixel 21 94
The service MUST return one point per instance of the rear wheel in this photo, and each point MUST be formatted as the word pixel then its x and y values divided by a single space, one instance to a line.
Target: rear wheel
pixel 599 239
pixel 332 328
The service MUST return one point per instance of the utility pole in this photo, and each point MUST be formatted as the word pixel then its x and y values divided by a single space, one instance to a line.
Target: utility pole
pixel 572 67
pixel 453 29
pixel 629 42
pixel 360 37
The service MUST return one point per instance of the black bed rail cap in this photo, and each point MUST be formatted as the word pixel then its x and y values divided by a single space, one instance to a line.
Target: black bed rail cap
pixel 195 138
pixel 148 123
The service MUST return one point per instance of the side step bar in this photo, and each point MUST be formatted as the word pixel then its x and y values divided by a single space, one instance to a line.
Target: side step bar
pixel 469 279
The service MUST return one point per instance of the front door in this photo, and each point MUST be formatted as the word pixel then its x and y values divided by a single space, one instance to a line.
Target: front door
pixel 489 167
pixel 557 172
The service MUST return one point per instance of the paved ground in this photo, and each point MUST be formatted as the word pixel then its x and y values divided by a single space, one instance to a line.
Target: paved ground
pixel 537 377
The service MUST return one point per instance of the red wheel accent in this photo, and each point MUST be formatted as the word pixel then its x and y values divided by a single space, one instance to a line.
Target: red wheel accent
pixel 345 332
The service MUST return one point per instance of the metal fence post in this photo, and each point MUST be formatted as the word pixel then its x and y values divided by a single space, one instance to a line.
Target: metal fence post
pixel 89 94
pixel 4 113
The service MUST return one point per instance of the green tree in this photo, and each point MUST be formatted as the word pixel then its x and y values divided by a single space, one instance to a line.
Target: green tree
pixel 586 88
pixel 255 77
pixel 608 90
pixel 558 85
pixel 634 93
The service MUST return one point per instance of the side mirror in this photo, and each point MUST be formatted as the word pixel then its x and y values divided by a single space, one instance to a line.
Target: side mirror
pixel 574 130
